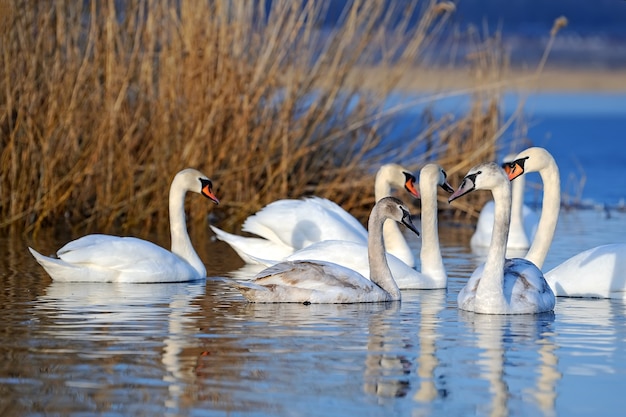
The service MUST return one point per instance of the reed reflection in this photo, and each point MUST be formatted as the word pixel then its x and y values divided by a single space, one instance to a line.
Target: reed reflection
pixel 497 335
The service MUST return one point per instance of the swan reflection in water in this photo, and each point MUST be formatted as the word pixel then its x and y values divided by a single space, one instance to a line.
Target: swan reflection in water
pixel 499 337
pixel 391 356
pixel 126 322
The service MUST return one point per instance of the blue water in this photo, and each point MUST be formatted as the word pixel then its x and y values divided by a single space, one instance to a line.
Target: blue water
pixel 585 133
pixel 198 349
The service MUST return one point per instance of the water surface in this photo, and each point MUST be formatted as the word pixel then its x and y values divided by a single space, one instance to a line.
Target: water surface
pixel 198 349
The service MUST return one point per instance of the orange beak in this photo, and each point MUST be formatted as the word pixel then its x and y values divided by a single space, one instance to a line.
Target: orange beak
pixel 513 170
pixel 410 186
pixel 207 192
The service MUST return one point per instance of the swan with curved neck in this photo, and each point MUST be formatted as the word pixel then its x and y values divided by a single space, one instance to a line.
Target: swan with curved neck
pixel 324 282
pixel 595 272
pixel 505 286
pixel 286 226
pixel 353 255
pixel 543 163
pixel 523 219
pixel 106 258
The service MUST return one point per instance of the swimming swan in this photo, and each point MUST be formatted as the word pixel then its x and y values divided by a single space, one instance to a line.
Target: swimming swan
pixel 523 220
pixel 324 282
pixel 286 226
pixel 353 255
pixel 597 272
pixel 105 258
pixel 505 286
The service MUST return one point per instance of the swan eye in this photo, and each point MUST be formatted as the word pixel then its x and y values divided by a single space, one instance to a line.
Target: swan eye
pixel 207 189
pixel 472 177
pixel 205 182
pixel 409 177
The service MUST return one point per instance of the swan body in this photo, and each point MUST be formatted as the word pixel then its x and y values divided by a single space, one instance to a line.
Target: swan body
pixel 505 286
pixel 353 255
pixel 311 282
pixel 597 272
pixel 523 220
pixel 106 258
pixel 286 226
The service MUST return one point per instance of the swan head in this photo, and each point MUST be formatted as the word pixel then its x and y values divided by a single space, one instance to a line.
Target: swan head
pixel 398 177
pixel 530 160
pixel 434 174
pixel 196 181
pixel 485 176
pixel 394 209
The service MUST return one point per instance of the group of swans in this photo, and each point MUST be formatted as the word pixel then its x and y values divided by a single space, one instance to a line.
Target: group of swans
pixel 331 270
pixel 286 226
pixel 309 282
pixel 597 272
pixel 354 255
pixel 501 285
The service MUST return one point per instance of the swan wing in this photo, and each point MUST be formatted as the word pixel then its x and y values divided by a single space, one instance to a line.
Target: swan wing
pixel 353 255
pixel 103 258
pixel 250 249
pixel 299 223
pixel 525 291
pixel 112 252
pixel 318 275
pixel 310 282
pixel 599 272
pixel 525 285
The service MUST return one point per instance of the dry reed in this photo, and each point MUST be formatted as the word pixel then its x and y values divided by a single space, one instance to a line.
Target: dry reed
pixel 102 102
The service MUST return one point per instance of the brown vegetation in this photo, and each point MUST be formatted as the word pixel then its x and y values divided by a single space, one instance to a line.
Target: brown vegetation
pixel 100 106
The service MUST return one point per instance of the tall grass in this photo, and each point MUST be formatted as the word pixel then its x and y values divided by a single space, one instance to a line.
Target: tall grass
pixel 101 103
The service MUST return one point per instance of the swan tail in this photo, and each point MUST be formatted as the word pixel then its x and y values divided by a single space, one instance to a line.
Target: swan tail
pixel 53 266
pixel 60 270
pixel 251 291
pixel 44 260
pixel 254 250
pixel 235 242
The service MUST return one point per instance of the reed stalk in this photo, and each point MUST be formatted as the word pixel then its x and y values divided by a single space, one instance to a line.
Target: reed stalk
pixel 101 103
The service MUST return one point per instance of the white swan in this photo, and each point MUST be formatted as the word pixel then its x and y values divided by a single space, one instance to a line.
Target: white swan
pixel 597 272
pixel 523 220
pixel 324 282
pixel 353 255
pixel 105 258
pixel 505 286
pixel 285 226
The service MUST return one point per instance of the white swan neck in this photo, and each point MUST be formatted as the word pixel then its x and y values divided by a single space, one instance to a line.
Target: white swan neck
pixel 380 273
pixel 430 253
pixel 395 242
pixel 491 285
pixel 517 204
pixel 181 243
pixel 549 214
pixel 382 182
